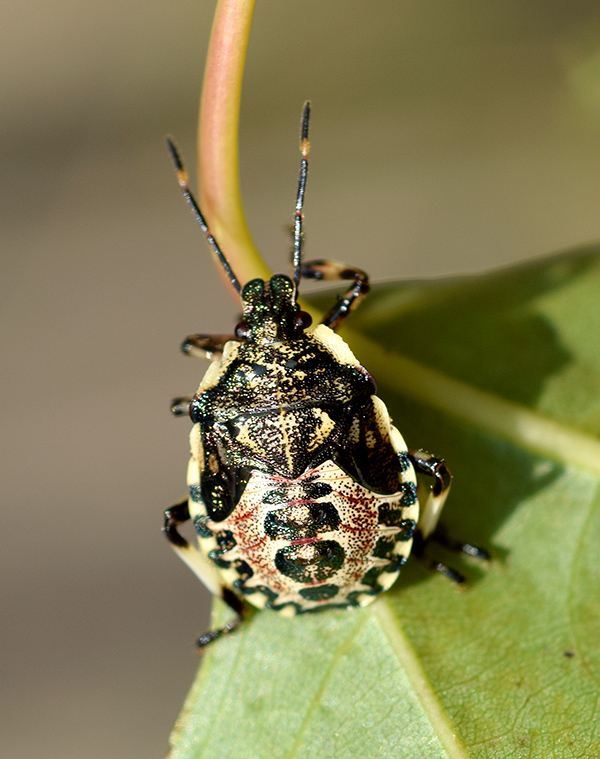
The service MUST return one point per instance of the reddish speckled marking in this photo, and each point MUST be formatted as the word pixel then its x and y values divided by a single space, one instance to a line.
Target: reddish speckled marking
pixel 357 533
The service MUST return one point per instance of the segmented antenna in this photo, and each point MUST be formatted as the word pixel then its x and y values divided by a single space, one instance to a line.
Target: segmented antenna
pixel 191 201
pixel 298 218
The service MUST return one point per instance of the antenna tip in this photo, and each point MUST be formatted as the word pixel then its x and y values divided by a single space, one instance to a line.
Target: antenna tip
pixel 175 157
pixel 305 120
pixel 304 145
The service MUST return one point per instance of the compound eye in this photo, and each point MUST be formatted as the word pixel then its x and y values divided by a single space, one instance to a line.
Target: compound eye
pixel 241 331
pixel 302 320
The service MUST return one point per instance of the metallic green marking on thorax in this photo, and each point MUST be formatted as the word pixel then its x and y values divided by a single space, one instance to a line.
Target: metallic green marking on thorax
pixel 280 375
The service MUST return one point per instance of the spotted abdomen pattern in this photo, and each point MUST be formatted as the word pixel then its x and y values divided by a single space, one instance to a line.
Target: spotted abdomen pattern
pixel 322 539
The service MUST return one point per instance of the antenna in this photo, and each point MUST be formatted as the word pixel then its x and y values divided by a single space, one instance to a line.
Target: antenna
pixel 298 218
pixel 191 201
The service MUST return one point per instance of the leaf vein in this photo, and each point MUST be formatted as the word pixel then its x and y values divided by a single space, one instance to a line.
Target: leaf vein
pixel 429 701
pixel 509 420
pixel 327 675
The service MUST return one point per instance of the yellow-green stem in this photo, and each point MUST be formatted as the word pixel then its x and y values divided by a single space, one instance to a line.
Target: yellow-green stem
pixel 220 196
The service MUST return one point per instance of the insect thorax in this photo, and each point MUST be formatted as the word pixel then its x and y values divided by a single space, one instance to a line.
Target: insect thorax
pixel 281 408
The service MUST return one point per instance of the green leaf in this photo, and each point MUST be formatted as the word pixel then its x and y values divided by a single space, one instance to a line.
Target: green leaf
pixel 501 375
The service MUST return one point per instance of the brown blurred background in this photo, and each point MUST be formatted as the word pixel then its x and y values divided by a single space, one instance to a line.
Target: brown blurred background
pixel 447 137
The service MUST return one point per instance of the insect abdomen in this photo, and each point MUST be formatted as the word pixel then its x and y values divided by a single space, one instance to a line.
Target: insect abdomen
pixel 322 539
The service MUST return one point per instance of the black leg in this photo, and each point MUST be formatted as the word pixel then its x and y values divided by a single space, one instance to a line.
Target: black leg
pixel 180 406
pixel 205 346
pixel 433 502
pixel 448 572
pixel 324 269
pixel 418 550
pixel 441 537
pixel 199 346
pixel 234 603
pixel 174 516
pixel 425 463
pixel 428 528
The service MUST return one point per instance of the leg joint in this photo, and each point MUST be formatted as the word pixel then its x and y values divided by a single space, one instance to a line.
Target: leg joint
pixel 174 516
pixel 429 465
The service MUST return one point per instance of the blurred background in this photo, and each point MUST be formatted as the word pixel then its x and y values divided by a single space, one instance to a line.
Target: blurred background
pixel 447 137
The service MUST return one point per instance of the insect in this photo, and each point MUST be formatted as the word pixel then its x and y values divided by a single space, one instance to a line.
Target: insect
pixel 302 492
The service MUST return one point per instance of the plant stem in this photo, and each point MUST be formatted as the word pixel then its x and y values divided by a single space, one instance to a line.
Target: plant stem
pixel 218 169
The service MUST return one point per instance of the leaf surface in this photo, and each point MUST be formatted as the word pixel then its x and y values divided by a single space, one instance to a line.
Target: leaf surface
pixel 500 374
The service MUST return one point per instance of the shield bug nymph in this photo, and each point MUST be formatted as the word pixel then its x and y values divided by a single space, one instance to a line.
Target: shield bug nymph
pixel 302 492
